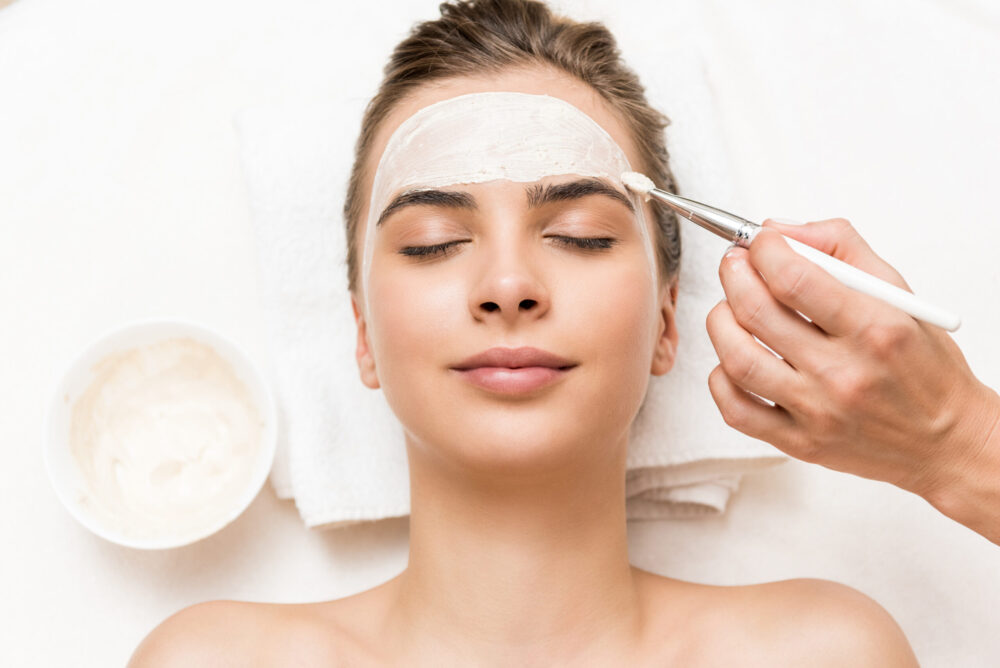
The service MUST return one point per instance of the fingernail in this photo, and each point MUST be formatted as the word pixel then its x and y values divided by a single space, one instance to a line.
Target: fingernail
pixel 787 221
pixel 729 251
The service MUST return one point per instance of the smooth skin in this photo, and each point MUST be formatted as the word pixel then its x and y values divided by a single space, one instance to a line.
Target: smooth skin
pixel 863 388
pixel 518 545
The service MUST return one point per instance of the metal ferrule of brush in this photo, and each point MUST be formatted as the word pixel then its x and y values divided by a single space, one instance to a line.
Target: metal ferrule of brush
pixel 746 233
pixel 739 231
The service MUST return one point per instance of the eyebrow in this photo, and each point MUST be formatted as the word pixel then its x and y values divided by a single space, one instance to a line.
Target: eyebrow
pixel 538 195
pixel 443 198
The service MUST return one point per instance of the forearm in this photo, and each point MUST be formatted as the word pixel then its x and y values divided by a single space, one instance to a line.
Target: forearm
pixel 971 494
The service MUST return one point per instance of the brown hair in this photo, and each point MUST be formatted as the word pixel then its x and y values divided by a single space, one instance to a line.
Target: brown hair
pixel 477 36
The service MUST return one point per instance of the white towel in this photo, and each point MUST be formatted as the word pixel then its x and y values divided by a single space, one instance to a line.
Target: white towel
pixel 341 453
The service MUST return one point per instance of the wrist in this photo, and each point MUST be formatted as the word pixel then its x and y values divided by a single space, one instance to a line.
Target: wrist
pixel 967 488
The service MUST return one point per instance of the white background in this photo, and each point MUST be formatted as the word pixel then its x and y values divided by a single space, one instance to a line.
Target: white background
pixel 121 197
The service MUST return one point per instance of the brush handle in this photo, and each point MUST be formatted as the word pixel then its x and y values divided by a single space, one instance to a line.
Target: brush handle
pixel 864 282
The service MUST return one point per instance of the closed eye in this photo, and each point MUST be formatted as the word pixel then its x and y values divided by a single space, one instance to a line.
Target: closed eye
pixel 585 243
pixel 422 251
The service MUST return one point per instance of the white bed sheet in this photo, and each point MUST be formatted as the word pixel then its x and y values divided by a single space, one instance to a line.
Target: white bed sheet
pixel 121 197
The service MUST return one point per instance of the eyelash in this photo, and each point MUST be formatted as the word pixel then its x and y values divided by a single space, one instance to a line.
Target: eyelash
pixel 584 243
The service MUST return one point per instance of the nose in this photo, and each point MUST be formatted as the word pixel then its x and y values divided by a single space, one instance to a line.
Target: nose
pixel 509 289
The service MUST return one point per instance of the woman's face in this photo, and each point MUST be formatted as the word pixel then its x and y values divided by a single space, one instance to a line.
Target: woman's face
pixel 510 270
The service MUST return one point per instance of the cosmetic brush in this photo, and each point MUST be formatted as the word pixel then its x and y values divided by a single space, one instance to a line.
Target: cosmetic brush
pixel 742 232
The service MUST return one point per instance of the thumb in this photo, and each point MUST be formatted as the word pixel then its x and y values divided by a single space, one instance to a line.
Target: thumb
pixel 837 237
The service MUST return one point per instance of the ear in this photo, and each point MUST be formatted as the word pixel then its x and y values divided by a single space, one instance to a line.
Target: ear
pixel 665 351
pixel 362 353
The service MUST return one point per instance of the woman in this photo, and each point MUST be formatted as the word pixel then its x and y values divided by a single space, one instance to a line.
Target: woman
pixel 518 551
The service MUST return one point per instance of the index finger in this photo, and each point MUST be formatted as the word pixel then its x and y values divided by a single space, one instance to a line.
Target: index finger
pixel 808 288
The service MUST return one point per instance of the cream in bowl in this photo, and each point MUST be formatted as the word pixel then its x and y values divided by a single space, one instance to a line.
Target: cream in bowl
pixel 160 434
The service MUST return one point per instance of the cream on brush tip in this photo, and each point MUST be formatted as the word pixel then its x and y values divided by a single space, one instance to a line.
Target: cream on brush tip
pixel 741 232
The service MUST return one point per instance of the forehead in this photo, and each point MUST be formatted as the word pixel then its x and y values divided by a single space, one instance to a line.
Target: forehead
pixel 534 80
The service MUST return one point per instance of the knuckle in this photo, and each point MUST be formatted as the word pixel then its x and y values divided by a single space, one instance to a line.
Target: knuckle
pixel 842 383
pixel 713 315
pixel 714 378
pixel 846 234
pixel 886 338
pixel 848 389
pixel 748 312
pixel 790 282
pixel 740 365
pixel 717 385
pixel 820 418
pixel 843 227
pixel 735 415
pixel 845 386
pixel 733 411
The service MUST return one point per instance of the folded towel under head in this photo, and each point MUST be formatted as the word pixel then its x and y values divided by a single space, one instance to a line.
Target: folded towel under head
pixel 341 452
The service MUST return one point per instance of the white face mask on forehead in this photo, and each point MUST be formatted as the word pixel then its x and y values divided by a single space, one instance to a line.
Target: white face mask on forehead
pixel 484 137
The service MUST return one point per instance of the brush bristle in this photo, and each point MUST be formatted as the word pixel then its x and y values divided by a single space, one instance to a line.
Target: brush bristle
pixel 639 183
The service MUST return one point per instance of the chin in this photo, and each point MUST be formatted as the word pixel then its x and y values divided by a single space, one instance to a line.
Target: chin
pixel 500 442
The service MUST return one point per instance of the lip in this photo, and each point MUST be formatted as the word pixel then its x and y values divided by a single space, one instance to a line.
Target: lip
pixel 512 381
pixel 515 358
pixel 514 370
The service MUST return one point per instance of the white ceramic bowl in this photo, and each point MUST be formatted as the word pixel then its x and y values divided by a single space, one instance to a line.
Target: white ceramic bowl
pixel 62 467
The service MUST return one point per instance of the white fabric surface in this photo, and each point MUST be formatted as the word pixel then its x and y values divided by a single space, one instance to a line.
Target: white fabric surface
pixel 342 456
pixel 121 196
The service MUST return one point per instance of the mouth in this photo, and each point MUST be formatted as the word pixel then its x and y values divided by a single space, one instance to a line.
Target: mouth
pixel 514 370
pixel 515 358
pixel 513 381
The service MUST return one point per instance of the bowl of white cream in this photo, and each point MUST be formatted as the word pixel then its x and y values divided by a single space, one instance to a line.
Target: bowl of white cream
pixel 160 433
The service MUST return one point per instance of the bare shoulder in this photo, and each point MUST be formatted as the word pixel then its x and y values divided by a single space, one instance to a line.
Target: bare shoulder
pixel 805 621
pixel 820 622
pixel 237 633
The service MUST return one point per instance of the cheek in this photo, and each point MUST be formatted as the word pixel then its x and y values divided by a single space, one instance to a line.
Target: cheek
pixel 612 329
pixel 411 319
pixel 615 309
pixel 420 328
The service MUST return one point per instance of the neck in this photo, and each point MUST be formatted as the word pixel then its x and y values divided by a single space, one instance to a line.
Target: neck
pixel 524 564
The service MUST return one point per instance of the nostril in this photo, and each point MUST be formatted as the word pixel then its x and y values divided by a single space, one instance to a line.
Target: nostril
pixel 528 303
pixel 490 306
